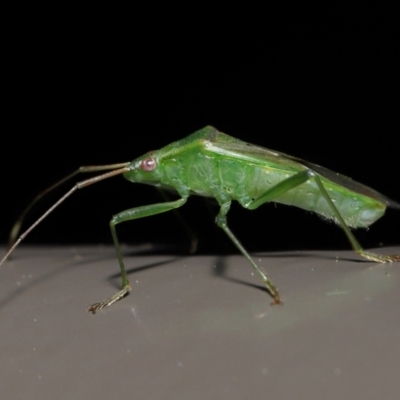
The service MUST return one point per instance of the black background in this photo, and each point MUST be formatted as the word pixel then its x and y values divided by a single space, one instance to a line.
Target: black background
pixel 97 87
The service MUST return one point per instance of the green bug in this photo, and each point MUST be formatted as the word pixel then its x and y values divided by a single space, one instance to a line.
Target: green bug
pixel 212 164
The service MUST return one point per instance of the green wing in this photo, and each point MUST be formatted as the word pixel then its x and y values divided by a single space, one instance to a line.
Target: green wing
pixel 228 146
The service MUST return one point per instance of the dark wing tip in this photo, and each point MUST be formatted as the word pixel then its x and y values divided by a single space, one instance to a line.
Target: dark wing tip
pixel 393 204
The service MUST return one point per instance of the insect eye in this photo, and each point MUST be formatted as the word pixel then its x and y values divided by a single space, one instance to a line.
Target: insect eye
pixel 148 164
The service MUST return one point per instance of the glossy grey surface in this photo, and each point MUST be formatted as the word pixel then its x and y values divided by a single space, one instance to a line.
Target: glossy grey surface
pixel 198 327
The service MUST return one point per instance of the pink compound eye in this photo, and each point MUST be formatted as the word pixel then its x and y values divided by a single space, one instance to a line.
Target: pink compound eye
pixel 148 164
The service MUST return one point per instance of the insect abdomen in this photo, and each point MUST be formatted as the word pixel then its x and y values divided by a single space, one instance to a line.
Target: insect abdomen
pixel 357 210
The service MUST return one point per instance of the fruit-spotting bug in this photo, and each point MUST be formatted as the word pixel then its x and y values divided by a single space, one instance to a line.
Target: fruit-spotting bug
pixel 212 164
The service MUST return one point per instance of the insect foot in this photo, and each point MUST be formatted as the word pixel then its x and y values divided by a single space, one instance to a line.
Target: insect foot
pixel 380 257
pixel 102 304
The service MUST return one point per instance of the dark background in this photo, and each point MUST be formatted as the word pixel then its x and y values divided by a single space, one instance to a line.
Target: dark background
pixel 97 89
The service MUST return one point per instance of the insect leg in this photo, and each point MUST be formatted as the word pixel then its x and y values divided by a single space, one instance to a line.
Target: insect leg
pixel 354 243
pixel 222 223
pixel 280 188
pixel 189 231
pixel 128 215
pixel 299 179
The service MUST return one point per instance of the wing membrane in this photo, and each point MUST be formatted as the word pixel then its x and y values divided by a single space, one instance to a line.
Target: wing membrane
pixel 258 155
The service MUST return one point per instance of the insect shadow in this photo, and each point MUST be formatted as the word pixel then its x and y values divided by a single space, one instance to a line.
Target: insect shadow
pixel 72 263
pixel 220 270
pixel 146 266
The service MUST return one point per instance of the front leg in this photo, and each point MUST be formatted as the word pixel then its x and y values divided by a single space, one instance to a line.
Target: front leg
pixel 128 215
